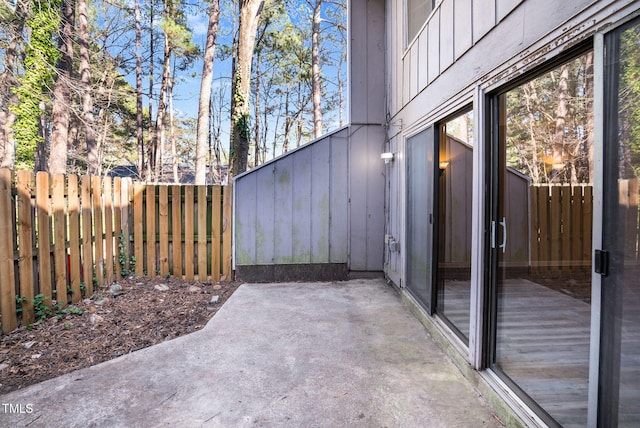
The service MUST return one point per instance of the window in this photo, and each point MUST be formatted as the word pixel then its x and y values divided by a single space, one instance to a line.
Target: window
pixel 417 13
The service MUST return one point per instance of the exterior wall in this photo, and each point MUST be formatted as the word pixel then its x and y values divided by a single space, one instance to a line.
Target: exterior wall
pixel 318 211
pixel 293 210
pixel 428 81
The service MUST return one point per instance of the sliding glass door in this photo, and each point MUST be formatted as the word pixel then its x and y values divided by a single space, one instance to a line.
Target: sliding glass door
pixel 619 260
pixel 540 233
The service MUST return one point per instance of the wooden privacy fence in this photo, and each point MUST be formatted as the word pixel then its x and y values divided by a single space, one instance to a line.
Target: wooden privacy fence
pixel 60 236
pixel 561 226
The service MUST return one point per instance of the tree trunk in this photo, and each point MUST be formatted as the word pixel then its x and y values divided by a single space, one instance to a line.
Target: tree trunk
pixel 239 146
pixel 315 66
pixel 561 116
pixel 85 82
pixel 204 104
pixel 139 123
pixel 62 91
pixel 9 98
pixel 151 156
pixel 172 134
pixel 160 134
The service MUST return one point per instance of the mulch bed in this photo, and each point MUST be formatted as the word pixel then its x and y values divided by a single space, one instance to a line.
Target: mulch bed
pixel 115 321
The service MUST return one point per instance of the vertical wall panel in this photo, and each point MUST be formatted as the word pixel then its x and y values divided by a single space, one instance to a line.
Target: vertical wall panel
pixel 433 49
pixel 375 200
pixel 245 221
pixel 338 244
pixel 265 206
pixel 284 210
pixel 320 207
pixel 414 71
pixel 423 61
pixel 484 18
pixel 302 232
pixel 462 32
pixel 446 34
pixel 503 7
pixel 406 80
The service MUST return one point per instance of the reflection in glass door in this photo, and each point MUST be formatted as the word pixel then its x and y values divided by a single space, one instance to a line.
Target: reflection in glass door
pixel 619 377
pixel 454 223
pixel 541 240
pixel 419 233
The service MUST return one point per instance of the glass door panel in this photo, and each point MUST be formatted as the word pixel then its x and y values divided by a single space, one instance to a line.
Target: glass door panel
pixel 620 332
pixel 454 223
pixel 542 240
pixel 419 233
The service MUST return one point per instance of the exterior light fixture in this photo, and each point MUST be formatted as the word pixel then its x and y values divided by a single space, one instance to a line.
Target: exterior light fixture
pixel 444 165
pixel 387 157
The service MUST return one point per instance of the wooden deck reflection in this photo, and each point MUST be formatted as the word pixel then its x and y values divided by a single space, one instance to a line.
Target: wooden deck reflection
pixel 543 343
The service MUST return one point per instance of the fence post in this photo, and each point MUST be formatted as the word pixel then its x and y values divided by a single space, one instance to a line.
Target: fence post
pixel 7 278
pixel 138 228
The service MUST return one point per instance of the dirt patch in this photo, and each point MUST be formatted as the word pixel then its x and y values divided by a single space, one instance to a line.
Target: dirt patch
pixel 137 313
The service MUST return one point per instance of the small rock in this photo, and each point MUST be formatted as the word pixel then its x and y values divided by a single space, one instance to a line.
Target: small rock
pixel 36 356
pixel 217 287
pixel 95 319
pixel 102 301
pixel 214 299
pixel 3 366
pixel 211 308
pixel 194 289
pixel 28 345
pixel 162 287
pixel 116 289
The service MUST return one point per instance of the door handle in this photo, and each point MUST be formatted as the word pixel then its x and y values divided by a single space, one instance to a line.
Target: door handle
pixel 503 223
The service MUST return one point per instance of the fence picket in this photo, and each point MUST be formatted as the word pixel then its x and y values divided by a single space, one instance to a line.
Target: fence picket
pixel 7 278
pixel 96 188
pixel 188 232
pixel 74 239
pixel 163 226
pixel 25 248
pixel 125 198
pixel 44 235
pixel 176 229
pixel 108 228
pixel 59 241
pixel 117 226
pixel 227 199
pixel 216 228
pixel 565 237
pixel 152 266
pixel 202 233
pixel 87 233
pixel 138 228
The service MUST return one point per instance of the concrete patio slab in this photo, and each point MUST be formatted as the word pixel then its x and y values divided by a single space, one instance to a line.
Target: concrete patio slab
pixel 293 355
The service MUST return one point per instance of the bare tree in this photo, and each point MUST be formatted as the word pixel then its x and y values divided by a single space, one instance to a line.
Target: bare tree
pixel 240 131
pixel 204 105
pixel 93 164
pixel 62 91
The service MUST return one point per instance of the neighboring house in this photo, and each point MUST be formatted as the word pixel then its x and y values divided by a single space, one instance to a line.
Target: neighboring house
pixel 506 210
